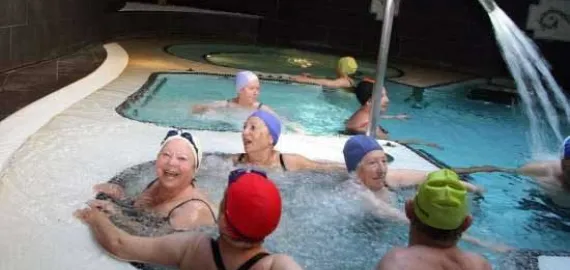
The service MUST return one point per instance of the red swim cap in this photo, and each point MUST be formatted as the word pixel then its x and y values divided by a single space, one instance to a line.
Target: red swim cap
pixel 253 206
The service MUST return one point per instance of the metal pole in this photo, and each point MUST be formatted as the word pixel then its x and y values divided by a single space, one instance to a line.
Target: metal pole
pixel 381 66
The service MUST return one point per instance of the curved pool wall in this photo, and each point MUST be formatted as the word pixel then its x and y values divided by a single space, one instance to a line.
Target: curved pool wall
pixel 275 60
pixel 52 173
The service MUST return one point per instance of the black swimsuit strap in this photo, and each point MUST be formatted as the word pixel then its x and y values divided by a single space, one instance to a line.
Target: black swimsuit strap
pixel 253 260
pixel 245 266
pixel 193 199
pixel 260 105
pixel 282 162
pixel 150 184
pixel 217 255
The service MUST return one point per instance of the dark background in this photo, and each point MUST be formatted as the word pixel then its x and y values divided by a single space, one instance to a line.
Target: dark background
pixel 453 34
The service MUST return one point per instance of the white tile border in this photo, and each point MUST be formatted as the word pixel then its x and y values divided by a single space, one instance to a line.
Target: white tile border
pixel 16 128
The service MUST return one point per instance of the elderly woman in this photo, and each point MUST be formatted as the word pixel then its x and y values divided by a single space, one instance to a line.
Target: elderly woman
pixel 366 158
pixel 346 79
pixel 247 91
pixel 260 134
pixel 173 195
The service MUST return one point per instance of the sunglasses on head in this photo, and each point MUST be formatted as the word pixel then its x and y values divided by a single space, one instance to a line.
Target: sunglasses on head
pixel 236 174
pixel 183 134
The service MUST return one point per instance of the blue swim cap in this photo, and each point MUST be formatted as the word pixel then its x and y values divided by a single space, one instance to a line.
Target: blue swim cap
pixel 271 121
pixel 356 148
pixel 566 148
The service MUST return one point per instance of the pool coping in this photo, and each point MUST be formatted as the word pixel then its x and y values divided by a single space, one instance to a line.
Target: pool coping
pixel 20 125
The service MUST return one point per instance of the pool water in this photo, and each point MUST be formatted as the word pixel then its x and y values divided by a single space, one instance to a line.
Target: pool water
pixel 324 224
pixel 270 59
pixel 515 211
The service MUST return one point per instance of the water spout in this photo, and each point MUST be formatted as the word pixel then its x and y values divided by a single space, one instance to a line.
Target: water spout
pixel 539 92
pixel 489 5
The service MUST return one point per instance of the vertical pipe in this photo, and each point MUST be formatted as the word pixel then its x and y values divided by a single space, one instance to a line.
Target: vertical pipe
pixel 381 66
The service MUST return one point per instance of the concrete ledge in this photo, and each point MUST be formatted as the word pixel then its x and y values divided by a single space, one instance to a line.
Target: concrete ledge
pixel 16 128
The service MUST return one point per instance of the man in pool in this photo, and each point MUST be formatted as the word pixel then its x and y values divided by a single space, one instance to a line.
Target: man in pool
pixel 249 212
pixel 346 71
pixel 551 174
pixel 438 217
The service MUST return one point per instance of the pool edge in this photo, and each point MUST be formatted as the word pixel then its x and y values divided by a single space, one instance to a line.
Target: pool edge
pixel 17 127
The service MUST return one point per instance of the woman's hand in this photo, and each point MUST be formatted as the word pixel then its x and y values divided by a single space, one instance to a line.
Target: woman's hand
pixel 112 190
pixel 106 207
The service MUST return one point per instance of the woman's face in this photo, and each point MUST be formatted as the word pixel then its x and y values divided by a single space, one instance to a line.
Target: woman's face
pixel 372 170
pixel 255 135
pixel 250 92
pixel 175 164
pixel 385 101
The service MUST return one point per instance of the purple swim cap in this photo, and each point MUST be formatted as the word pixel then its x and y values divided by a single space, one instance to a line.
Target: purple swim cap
pixel 356 148
pixel 272 123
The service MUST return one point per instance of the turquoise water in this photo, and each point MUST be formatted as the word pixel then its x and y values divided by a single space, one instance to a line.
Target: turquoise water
pixel 514 211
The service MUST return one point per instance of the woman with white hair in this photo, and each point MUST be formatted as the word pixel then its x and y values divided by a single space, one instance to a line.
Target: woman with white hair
pixel 173 195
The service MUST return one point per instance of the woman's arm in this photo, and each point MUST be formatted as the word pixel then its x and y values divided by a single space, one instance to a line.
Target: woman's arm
pixel 336 83
pixel 167 250
pixel 296 162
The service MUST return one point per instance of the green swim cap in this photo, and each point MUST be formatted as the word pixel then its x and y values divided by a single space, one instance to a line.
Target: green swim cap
pixel 441 201
pixel 347 65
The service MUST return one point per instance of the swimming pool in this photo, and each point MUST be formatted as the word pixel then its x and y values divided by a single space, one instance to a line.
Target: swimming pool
pixel 52 173
pixel 472 133
pixel 270 59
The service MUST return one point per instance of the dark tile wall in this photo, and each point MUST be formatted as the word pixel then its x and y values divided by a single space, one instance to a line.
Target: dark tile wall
pixel 36 30
pixel 446 33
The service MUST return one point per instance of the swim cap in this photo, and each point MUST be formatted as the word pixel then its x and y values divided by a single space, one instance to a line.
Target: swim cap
pixel 191 141
pixel 347 65
pixel 356 148
pixel 253 206
pixel 243 78
pixel 441 201
pixel 566 148
pixel 272 123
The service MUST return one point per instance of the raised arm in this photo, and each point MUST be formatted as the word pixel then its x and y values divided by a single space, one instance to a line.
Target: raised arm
pixel 296 162
pixel 201 108
pixel 334 83
pixel 485 168
pixel 405 178
pixel 167 250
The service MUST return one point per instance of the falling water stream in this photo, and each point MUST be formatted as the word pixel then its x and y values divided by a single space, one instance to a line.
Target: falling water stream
pixel 539 92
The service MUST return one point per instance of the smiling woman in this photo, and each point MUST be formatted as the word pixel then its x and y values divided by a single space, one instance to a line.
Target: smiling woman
pixel 173 195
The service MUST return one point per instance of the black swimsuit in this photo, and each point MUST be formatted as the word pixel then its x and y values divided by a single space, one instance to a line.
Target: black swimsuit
pixel 167 218
pixel 242 156
pixel 245 266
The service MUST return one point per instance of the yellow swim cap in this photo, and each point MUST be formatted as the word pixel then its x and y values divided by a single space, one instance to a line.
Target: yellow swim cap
pixel 347 65
pixel 441 201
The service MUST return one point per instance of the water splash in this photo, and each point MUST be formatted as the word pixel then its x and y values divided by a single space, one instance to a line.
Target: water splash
pixel 537 88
